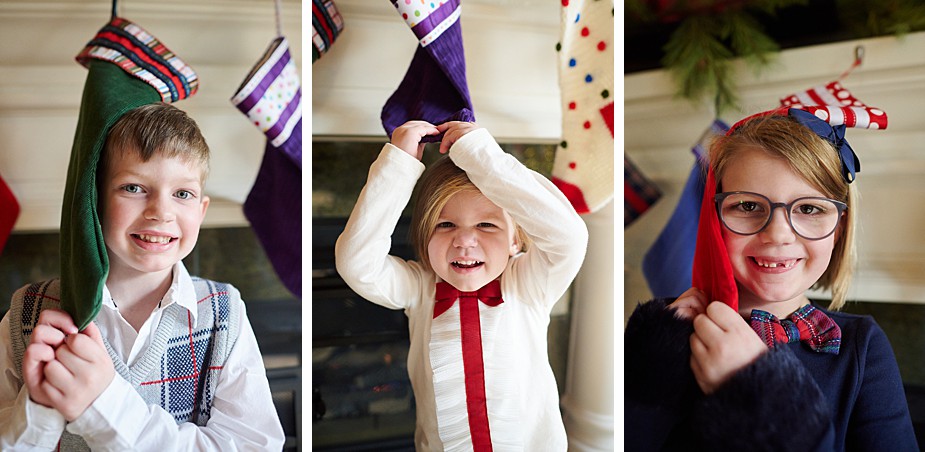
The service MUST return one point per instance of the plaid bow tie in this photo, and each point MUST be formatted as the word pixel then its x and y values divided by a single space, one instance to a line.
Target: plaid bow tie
pixel 446 295
pixel 807 324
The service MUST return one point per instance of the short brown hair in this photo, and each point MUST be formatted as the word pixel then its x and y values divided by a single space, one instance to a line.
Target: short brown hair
pixel 817 161
pixel 157 129
pixel 440 182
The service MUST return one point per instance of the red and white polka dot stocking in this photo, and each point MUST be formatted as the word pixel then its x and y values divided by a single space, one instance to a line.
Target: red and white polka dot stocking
pixel 583 167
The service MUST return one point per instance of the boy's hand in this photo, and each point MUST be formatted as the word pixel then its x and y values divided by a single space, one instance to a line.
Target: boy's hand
pixel 82 370
pixel 49 333
pixel 722 344
pixel 407 137
pixel 452 131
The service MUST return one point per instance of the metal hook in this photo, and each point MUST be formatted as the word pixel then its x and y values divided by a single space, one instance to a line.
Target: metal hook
pixel 858 59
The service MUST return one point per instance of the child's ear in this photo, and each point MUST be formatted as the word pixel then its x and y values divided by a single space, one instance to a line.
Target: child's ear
pixel 205 206
pixel 515 246
pixel 840 227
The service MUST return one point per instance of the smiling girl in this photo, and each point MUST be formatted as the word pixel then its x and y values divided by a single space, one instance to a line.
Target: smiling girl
pixel 698 377
pixel 497 246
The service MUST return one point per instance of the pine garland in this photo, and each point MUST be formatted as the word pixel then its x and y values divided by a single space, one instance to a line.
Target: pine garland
pixel 700 52
pixel 882 17
pixel 711 33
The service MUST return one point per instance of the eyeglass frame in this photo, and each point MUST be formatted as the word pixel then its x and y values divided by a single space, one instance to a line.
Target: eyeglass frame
pixel 720 197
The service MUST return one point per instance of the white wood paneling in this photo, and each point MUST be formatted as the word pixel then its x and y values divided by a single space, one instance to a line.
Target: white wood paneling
pixel 660 130
pixel 41 85
pixel 511 67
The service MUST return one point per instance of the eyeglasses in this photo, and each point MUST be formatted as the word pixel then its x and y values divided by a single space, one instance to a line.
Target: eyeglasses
pixel 747 213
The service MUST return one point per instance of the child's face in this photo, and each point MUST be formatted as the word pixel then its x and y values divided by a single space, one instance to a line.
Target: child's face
pixel 472 241
pixel 800 262
pixel 150 212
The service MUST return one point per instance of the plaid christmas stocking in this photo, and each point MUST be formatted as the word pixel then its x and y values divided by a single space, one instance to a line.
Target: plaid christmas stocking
pixel 639 193
pixel 327 24
pixel 128 68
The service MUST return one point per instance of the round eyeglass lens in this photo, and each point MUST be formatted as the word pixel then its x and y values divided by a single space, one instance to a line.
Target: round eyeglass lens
pixel 748 213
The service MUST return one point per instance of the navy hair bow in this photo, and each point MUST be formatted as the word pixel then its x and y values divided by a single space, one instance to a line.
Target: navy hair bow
pixel 835 135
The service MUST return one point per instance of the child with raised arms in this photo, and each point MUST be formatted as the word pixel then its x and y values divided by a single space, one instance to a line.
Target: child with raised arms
pixel 497 245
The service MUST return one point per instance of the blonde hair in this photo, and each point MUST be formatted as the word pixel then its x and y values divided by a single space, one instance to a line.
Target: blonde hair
pixel 440 182
pixel 157 129
pixel 817 161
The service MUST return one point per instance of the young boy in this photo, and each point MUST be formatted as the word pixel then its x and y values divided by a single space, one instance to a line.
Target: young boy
pixel 170 362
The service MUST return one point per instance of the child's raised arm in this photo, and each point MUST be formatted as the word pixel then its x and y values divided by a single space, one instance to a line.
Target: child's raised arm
pixel 362 250
pixel 559 235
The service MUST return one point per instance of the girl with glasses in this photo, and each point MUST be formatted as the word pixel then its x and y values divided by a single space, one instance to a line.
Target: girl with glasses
pixel 765 368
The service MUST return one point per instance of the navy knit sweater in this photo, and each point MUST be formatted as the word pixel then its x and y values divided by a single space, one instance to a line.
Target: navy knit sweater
pixel 790 398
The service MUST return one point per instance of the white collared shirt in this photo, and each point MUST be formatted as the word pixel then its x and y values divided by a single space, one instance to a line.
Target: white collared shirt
pixel 243 416
pixel 122 336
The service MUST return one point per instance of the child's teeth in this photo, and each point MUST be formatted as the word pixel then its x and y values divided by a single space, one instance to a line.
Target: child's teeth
pixel 785 264
pixel 154 239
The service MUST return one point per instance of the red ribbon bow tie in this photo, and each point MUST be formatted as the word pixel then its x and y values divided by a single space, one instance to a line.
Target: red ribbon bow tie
pixel 807 324
pixel 489 294
pixel 473 364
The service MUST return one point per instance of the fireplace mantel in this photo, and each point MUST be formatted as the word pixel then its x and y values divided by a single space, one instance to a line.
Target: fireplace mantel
pixel 659 131
pixel 41 86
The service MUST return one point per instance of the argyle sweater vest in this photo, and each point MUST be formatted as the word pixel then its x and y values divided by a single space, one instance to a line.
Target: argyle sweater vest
pixel 179 370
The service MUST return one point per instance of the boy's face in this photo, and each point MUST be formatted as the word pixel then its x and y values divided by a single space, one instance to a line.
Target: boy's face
pixel 150 212
pixel 472 241
pixel 774 267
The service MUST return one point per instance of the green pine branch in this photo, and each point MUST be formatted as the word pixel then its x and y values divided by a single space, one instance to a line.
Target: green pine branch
pixel 748 40
pixel 884 17
pixel 699 53
pixel 711 33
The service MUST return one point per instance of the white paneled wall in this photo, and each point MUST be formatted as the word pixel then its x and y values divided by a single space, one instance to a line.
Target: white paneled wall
pixel 41 85
pixel 511 67
pixel 660 130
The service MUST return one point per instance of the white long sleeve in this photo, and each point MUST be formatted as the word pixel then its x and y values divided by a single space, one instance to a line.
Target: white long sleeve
pixel 24 424
pixel 362 250
pixel 242 417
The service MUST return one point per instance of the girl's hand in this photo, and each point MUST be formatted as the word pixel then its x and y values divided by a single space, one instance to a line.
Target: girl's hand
pixel 452 131
pixel 407 137
pixel 690 304
pixel 722 344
